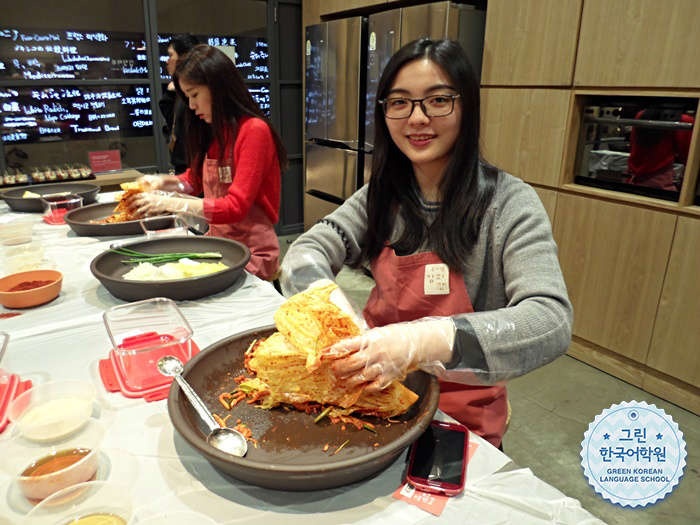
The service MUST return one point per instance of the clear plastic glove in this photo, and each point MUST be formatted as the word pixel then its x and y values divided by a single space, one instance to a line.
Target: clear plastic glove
pixel 301 272
pixel 343 302
pixel 169 183
pixel 388 353
pixel 160 203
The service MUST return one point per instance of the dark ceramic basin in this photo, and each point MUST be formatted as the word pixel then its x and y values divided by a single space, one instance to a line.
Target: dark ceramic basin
pixel 109 269
pixel 80 221
pixel 290 452
pixel 14 198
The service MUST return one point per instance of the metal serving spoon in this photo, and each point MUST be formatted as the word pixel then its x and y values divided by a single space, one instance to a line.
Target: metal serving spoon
pixel 225 439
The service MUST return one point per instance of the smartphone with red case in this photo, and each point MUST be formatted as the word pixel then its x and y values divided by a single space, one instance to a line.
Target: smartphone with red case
pixel 438 459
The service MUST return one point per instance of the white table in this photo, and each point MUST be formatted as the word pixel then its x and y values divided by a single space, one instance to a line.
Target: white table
pixel 142 452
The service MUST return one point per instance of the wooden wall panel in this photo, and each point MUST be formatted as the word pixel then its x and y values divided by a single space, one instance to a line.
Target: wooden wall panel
pixel 530 42
pixel 639 43
pixel 674 345
pixel 523 131
pixel 613 257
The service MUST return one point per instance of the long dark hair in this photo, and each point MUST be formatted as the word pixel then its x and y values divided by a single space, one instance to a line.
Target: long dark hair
pixel 466 188
pixel 230 100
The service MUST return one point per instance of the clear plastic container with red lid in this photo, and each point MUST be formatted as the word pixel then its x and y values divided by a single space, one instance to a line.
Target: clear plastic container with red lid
pixel 143 332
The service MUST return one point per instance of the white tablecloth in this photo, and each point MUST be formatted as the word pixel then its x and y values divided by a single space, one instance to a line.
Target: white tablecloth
pixel 141 451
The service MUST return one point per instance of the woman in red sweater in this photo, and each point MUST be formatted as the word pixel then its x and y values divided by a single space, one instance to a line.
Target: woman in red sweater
pixel 654 151
pixel 235 158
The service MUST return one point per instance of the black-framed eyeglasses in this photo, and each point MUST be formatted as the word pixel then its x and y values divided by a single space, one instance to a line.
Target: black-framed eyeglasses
pixel 432 106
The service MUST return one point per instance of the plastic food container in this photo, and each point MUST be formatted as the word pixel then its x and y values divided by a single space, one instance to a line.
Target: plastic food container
pixel 19 256
pixel 53 410
pixel 17 231
pixel 143 332
pixel 152 227
pixel 55 207
pixel 41 469
pixel 89 503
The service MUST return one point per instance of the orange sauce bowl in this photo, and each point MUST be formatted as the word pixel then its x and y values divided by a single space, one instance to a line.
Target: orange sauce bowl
pixel 34 296
pixel 41 469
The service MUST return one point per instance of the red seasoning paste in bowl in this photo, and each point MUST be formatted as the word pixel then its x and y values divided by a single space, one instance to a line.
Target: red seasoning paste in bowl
pixel 28 285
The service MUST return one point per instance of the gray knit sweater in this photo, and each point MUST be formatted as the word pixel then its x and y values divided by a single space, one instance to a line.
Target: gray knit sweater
pixel 522 315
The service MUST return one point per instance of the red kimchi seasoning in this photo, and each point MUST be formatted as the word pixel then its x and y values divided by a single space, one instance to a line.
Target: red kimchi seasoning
pixel 28 285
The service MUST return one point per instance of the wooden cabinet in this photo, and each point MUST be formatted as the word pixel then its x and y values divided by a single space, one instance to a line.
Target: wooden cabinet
pixel 523 131
pixel 639 43
pixel 613 257
pixel 335 6
pixel 530 42
pixel 549 201
pixel 674 345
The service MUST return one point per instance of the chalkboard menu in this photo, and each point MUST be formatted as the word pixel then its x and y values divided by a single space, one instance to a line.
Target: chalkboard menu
pixel 42 54
pixel 251 54
pixel 261 95
pixel 41 114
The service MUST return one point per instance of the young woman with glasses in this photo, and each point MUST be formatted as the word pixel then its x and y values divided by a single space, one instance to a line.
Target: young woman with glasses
pixel 468 285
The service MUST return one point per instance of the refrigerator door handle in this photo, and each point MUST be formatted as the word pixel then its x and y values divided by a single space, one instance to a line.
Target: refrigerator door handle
pixel 325 196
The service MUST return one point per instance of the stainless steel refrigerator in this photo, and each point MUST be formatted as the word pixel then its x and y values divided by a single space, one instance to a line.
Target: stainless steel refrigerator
pixel 334 134
pixel 344 60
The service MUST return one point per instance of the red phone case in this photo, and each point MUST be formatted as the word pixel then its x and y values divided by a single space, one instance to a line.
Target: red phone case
pixel 440 487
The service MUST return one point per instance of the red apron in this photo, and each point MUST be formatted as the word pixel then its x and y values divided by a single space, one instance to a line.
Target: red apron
pixel 256 230
pixel 398 297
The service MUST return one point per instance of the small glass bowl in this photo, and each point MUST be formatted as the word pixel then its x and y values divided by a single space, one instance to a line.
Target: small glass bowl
pixel 97 501
pixel 52 410
pixel 42 469
pixel 20 229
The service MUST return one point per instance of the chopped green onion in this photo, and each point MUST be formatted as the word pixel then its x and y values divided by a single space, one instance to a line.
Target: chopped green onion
pixel 341 447
pixel 369 428
pixel 323 414
pixel 156 258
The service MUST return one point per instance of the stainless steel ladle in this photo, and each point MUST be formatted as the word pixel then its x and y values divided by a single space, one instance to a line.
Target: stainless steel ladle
pixel 225 439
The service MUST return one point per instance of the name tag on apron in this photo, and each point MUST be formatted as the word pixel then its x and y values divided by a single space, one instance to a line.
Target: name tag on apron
pixel 436 280
pixel 225 174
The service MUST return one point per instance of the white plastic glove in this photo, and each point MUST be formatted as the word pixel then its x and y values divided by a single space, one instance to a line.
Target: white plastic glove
pixel 343 302
pixel 157 203
pixel 388 353
pixel 169 183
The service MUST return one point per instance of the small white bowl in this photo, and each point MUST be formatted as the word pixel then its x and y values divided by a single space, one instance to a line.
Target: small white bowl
pixel 53 410
pixel 42 469
pixel 94 499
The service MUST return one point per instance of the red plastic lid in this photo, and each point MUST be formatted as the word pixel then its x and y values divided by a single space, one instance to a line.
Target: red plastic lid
pixel 8 392
pixel 113 377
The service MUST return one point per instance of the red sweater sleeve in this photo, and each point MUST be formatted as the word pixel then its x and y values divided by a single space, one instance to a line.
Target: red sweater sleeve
pixel 256 177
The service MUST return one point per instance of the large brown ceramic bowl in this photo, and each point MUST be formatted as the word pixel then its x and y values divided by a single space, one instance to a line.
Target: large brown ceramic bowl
pixel 83 221
pixel 14 198
pixel 290 452
pixel 109 269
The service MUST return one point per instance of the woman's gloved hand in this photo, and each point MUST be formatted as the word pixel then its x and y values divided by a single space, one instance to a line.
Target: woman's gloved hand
pixel 150 204
pixel 169 183
pixel 387 353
